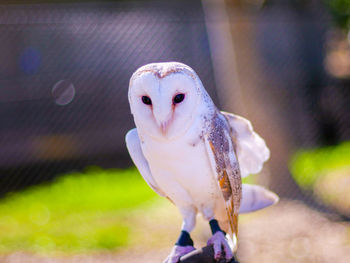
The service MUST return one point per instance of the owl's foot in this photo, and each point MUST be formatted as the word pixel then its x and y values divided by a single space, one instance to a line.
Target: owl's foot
pixel 183 246
pixel 177 252
pixel 221 246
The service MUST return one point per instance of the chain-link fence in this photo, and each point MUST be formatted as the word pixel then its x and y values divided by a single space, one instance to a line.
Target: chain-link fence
pixel 65 71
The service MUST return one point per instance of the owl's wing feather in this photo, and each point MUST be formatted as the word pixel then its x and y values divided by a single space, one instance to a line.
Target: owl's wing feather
pixel 251 149
pixel 225 166
pixel 134 147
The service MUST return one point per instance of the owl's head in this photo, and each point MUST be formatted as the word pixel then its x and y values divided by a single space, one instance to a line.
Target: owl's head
pixel 165 98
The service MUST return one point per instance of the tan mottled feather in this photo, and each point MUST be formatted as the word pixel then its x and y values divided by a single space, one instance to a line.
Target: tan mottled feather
pixel 220 147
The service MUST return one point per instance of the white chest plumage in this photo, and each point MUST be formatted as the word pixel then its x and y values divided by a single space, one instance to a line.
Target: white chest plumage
pixel 186 180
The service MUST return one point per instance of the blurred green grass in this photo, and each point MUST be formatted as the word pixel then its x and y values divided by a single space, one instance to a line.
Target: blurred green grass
pixel 308 166
pixel 77 212
pixel 325 172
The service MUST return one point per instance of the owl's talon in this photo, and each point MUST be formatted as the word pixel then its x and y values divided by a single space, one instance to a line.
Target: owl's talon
pixel 220 246
pixel 177 252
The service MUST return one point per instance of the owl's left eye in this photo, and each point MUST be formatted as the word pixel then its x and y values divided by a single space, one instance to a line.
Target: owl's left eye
pixel 178 98
pixel 146 100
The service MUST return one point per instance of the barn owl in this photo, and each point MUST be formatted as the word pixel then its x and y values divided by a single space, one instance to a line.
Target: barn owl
pixel 195 155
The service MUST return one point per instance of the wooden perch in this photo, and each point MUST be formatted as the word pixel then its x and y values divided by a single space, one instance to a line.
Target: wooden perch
pixel 205 254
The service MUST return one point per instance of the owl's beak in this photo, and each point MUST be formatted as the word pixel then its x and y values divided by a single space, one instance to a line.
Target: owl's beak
pixel 163 117
pixel 164 127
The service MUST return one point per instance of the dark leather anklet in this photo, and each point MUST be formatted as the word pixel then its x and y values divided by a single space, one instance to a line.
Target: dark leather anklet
pixel 184 239
pixel 214 226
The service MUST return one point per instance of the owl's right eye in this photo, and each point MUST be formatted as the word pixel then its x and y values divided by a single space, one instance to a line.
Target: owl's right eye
pixel 146 100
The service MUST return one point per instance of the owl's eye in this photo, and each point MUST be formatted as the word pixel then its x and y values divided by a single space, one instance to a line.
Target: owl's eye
pixel 178 98
pixel 146 100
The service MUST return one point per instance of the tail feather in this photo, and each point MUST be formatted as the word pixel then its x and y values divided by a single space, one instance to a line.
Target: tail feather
pixel 255 197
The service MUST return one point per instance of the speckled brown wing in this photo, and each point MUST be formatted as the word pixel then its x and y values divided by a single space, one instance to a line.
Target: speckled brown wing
pixel 221 151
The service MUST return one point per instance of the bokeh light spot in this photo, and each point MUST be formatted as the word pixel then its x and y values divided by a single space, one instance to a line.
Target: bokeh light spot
pixel 30 60
pixel 63 92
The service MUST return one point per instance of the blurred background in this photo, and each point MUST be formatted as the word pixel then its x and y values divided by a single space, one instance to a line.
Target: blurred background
pixel 69 192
